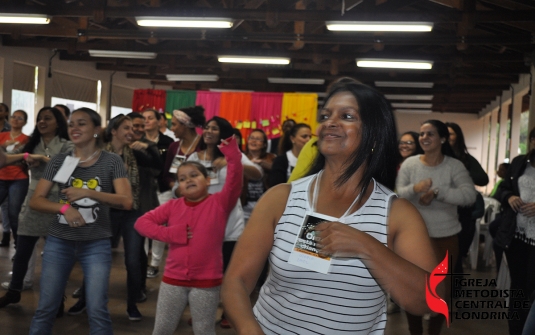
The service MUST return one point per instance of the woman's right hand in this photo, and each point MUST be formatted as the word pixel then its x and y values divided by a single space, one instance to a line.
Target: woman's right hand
pixel 423 185
pixel 515 202
pixel 138 145
pixel 427 198
pixel 34 160
pixel 74 218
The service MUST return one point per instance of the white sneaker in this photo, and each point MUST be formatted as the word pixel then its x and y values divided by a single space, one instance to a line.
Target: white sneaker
pixel 26 286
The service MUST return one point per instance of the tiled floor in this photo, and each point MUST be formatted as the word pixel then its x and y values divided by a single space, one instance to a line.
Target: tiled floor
pixel 15 319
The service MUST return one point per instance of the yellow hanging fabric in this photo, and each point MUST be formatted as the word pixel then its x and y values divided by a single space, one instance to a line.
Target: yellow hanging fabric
pixel 302 107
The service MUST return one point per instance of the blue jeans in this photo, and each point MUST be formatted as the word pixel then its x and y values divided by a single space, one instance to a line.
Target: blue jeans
pixel 58 260
pixel 14 191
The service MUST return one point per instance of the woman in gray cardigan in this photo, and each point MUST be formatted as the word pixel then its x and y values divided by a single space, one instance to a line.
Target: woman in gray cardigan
pixel 436 183
pixel 49 138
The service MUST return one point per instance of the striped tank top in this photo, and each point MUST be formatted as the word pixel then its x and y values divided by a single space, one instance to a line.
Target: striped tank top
pixel 347 300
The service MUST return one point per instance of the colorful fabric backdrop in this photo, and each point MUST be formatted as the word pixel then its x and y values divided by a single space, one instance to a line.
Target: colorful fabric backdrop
pixel 244 110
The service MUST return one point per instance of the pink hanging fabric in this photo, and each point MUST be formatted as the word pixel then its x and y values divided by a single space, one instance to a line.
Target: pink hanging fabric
pixel 266 111
pixel 210 101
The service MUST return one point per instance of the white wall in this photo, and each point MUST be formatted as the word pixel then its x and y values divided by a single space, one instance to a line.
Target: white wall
pixel 40 58
pixel 471 125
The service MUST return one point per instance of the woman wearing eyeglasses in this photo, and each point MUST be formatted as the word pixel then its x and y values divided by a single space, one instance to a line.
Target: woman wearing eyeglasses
pixel 13 179
pixel 256 151
pixel 90 181
pixel 409 145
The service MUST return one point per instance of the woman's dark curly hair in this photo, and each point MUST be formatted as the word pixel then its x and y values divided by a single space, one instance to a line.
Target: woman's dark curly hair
pixel 225 131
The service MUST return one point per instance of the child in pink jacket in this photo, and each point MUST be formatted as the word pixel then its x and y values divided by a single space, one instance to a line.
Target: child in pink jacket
pixel 195 230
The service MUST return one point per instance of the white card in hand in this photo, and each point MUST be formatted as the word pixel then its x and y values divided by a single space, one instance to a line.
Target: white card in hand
pixel 65 171
pixel 305 253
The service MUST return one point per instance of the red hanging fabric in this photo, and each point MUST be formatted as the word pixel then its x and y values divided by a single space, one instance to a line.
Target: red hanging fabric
pixel 148 98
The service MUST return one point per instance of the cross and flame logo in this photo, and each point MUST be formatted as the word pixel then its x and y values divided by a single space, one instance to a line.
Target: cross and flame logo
pixel 434 301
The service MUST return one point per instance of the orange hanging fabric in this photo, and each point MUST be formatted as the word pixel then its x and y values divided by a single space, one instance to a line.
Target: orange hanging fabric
pixel 236 108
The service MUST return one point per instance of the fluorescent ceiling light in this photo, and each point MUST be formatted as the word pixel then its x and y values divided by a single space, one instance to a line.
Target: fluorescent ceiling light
pixel 411 84
pixel 395 64
pixel 379 26
pixel 408 97
pixel 305 81
pixel 122 54
pixel 192 77
pixel 184 22
pixel 414 111
pixel 254 60
pixel 24 18
pixel 411 105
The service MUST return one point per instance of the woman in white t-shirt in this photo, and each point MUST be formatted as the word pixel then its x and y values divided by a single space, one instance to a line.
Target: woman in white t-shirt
pixel 292 143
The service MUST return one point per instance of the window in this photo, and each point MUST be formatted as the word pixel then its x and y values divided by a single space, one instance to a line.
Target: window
pixel 25 101
pixel 73 104
pixel 115 110
pixel 523 143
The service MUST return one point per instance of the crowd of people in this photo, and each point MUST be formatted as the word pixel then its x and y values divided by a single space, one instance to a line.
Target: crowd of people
pixel 365 220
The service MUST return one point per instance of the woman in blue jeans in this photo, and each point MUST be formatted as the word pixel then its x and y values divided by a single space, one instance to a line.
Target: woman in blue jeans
pixel 81 231
pixel 118 137
pixel 14 178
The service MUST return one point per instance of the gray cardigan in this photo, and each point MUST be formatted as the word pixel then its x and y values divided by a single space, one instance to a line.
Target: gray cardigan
pixel 33 223
pixel 455 189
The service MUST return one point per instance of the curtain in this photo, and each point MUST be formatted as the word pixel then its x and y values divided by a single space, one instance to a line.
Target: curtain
pixel 177 100
pixel 302 107
pixel 236 108
pixel 210 101
pixel 265 112
pixel 74 88
pixel 23 77
pixel 148 98
pixel 121 96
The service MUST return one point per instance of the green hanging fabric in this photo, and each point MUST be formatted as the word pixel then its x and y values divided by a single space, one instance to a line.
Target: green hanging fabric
pixel 177 100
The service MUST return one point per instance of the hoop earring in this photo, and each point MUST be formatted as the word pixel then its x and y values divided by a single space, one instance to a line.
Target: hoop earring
pixel 95 135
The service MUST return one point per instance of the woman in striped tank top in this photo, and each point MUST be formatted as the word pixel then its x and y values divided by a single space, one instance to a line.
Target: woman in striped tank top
pixel 338 240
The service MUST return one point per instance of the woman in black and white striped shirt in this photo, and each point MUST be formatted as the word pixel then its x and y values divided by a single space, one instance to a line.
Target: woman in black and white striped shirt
pixel 90 182
pixel 361 241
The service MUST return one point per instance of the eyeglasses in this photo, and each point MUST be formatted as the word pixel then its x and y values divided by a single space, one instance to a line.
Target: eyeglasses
pixel 18 118
pixel 406 142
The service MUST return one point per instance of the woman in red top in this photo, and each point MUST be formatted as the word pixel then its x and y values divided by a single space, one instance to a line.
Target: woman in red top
pixel 14 178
